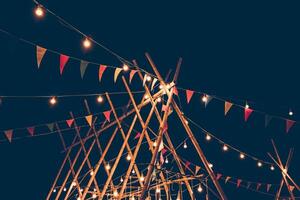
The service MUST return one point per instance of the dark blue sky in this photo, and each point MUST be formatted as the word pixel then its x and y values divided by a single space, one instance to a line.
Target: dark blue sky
pixel 237 50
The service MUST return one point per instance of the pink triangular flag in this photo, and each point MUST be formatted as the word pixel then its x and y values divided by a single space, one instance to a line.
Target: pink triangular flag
pixel 197 169
pixel 227 107
pixel 131 75
pixel 175 91
pixel 70 122
pixel 63 61
pixel 247 113
pixel 189 94
pixel 40 52
pixel 117 72
pixel 31 130
pixel 227 179
pixel 107 115
pixel 258 186
pixel 289 124
pixel 89 119
pixel 268 187
pixel 138 135
pixel 9 134
pixel 164 151
pixel 238 183
pixel 102 68
pixel 218 176
pixel 165 128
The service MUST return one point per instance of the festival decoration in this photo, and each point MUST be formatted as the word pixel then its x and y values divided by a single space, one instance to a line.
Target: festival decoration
pixel 83 66
pixel 63 61
pixel 189 94
pixel 40 52
pixel 117 72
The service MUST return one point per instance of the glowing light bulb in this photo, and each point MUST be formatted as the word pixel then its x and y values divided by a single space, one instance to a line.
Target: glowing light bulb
pixel 157 190
pixel 132 198
pixel 78 198
pixel 81 190
pixel 159 99
pixel 247 106
pixel 210 165
pixel 87 43
pixel 208 137
pixel 242 156
pixel 167 161
pixel 53 100
pixel 128 157
pixel 146 96
pixel 107 166
pixel 186 122
pixel 99 99
pixel 65 189
pixel 54 190
pixel 95 189
pixel 200 189
pixel 92 173
pixel 125 67
pixel 133 172
pixel 148 78
pixel 142 178
pixel 259 164
pixel 204 98
pixel 154 144
pixel 39 11
pixel 291 112
pixel 225 147
pixel 94 196
pixel 121 180
pixel 185 145
pixel 115 193
pixel 73 184
pixel 161 86
pixel 272 168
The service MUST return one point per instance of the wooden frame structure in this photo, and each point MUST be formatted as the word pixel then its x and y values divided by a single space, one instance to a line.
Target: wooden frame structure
pixel 78 176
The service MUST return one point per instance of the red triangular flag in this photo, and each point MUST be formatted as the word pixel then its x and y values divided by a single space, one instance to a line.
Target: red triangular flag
pixel 238 183
pixel 164 108
pixel 107 115
pixel 175 91
pixel 187 165
pixel 131 75
pixel 9 134
pixel 63 61
pixel 227 107
pixel 102 68
pixel 31 130
pixel 292 188
pixel 289 124
pixel 89 119
pixel 248 112
pixel 70 122
pixel 189 94
pixel 138 135
pixel 218 176
pixel 163 151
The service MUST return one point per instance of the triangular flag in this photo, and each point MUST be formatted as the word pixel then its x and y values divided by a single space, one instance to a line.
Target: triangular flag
pixel 31 130
pixel 189 94
pixel 117 72
pixel 63 61
pixel 162 160
pixel 187 165
pixel 267 120
pixel 164 108
pixel 153 83
pixel 218 176
pixel 107 115
pixel 161 146
pixel 292 188
pixel 238 183
pixel 268 187
pixel 165 128
pixel 40 52
pixel 163 151
pixel 175 91
pixel 145 78
pixel 197 169
pixel 70 122
pixel 102 68
pixel 83 66
pixel 247 113
pixel 131 75
pixel 208 99
pixel 9 134
pixel 89 119
pixel 138 135
pixel 258 186
pixel 50 126
pixel 289 124
pixel 227 107
pixel 227 179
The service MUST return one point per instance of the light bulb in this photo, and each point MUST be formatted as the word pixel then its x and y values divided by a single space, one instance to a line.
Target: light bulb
pixel 128 157
pixel 208 137
pixel 142 178
pixel 186 122
pixel 52 101
pixel 247 106
pixel 125 67
pixel 200 189
pixel 87 43
pixel 107 166
pixel 146 96
pixel 95 189
pixel 148 78
pixel 204 98
pixel 185 145
pixel 81 190
pixel 259 164
pixel 210 165
pixel 132 198
pixel 73 184
pixel 54 190
pixel 154 144
pixel 115 193
pixel 167 161
pixel 78 198
pixel 225 147
pixel 272 168
pixel 291 112
pixel 94 196
pixel 39 11
pixel 65 189
pixel 242 156
pixel 159 99
pixel 157 190
pixel 121 180
pixel 133 172
pixel 92 173
pixel 99 99
pixel 161 86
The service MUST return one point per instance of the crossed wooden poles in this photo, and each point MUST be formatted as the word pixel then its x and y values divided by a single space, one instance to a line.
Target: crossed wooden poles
pixel 86 145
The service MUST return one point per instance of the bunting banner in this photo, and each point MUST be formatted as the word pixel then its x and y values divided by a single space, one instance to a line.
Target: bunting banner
pixel 189 94
pixel 102 68
pixel 9 134
pixel 268 118
pixel 289 124
pixel 227 179
pixel 89 119
pixel 161 146
pixel 258 186
pixel 117 72
pixel 161 159
pixel 138 135
pixel 144 80
pixel 291 188
pixel 175 91
pixel 63 61
pixel 218 176
pixel 70 122
pixel 164 151
pixel 268 187
pixel 50 126
pixel 83 66
pixel 247 113
pixel 197 169
pixel 107 115
pixel 131 75
pixel 31 130
pixel 153 83
pixel 238 183
pixel 40 52
pixel 227 107
pixel 164 108
pixel 187 165
pixel 208 99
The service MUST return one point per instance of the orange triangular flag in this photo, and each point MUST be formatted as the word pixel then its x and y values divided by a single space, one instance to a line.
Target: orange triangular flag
pixel 102 68
pixel 70 122
pixel 227 107
pixel 40 52
pixel 197 169
pixel 247 113
pixel 292 188
pixel 289 124
pixel 31 130
pixel 9 134
pixel 107 115
pixel 189 94
pixel 175 91
pixel 117 72
pixel 131 75
pixel 89 119
pixel 153 83
pixel 63 61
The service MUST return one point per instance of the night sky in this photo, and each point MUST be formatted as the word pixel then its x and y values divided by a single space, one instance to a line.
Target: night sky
pixel 237 51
